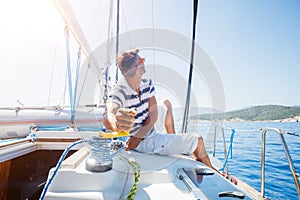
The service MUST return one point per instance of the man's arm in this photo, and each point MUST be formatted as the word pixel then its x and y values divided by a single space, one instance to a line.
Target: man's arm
pixel 118 119
pixel 109 117
pixel 150 121
pixel 134 141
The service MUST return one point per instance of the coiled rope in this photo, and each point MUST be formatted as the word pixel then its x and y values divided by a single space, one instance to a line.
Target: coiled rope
pixel 137 176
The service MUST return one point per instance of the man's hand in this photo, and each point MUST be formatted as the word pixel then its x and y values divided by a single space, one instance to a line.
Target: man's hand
pixel 132 142
pixel 125 119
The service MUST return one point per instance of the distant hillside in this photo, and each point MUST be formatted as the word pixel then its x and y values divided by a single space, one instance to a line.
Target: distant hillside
pixel 194 111
pixel 256 113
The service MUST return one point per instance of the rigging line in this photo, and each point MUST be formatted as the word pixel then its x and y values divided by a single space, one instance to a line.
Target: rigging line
pixel 69 72
pixel 126 26
pixel 94 16
pixel 109 34
pixel 293 134
pixel 76 81
pixel 85 78
pixel 117 36
pixel 52 70
pixel 108 52
pixel 188 96
pixel 62 100
pixel 153 49
pixel 70 18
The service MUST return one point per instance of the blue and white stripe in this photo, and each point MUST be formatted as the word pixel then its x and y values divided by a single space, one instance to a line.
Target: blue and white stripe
pixel 126 97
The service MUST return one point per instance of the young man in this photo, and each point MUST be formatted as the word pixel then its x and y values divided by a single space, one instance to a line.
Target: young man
pixel 132 106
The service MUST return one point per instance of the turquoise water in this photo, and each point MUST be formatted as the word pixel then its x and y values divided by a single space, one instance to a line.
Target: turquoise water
pixel 245 162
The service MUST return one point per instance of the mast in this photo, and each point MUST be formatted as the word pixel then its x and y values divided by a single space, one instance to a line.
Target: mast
pixel 117 36
pixel 188 95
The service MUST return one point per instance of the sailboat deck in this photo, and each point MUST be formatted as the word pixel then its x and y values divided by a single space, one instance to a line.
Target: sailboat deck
pixel 158 180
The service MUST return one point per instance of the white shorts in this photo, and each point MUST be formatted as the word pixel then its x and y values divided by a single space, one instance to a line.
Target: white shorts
pixel 160 123
pixel 169 144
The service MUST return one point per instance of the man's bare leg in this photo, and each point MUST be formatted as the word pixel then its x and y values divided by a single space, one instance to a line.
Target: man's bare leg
pixel 169 121
pixel 201 155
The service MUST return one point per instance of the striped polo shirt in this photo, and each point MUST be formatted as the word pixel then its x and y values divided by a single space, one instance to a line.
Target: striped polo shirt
pixel 123 95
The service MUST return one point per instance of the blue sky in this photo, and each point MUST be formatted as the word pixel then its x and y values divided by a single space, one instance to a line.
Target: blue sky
pixel 256 48
pixel 254 45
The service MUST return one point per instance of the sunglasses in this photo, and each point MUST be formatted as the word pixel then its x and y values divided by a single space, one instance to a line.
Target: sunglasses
pixel 141 60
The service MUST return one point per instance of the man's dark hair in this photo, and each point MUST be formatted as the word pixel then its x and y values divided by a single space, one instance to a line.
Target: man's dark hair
pixel 127 61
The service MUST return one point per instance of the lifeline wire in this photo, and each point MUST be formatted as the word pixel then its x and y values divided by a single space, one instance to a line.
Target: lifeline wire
pixel 294 134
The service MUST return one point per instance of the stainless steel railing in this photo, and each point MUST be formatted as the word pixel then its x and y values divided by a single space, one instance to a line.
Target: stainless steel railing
pixel 224 145
pixel 281 133
pixel 287 154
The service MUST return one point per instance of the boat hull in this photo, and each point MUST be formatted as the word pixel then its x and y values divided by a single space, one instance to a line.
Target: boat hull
pixel 18 123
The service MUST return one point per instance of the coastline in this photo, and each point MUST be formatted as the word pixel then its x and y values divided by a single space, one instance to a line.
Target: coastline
pixel 291 119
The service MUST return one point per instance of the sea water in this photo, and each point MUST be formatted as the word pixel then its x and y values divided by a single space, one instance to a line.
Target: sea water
pixel 246 154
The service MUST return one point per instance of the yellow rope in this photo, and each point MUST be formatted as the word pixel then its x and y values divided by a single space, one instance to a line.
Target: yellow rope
pixel 137 176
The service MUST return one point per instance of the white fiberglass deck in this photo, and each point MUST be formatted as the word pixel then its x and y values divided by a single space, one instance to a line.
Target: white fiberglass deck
pixel 159 180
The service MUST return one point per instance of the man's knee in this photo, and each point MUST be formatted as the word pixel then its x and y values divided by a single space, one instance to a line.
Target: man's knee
pixel 200 140
pixel 168 104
